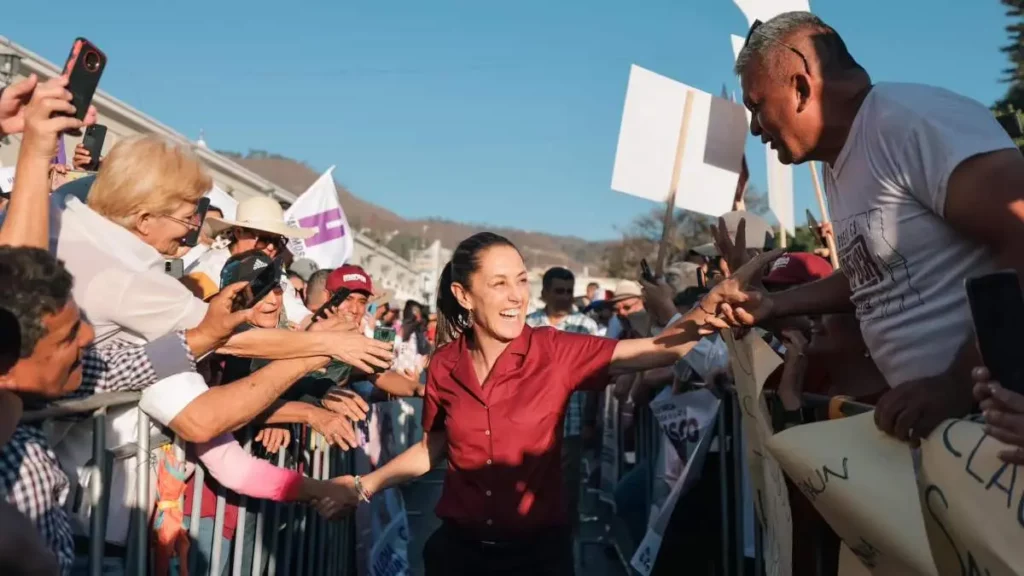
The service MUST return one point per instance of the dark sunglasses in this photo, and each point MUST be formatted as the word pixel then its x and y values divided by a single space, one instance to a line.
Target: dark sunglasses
pixel 757 24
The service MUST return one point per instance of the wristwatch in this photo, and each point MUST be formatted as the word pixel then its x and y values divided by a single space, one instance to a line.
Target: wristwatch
pixel 364 495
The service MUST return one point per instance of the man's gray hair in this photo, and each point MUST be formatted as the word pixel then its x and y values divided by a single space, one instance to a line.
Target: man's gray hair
pixel 772 35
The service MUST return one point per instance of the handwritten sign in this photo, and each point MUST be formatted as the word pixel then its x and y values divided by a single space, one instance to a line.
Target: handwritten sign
pixel 862 482
pixel 752 362
pixel 973 506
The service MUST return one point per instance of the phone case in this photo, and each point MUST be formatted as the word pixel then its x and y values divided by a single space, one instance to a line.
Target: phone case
pixel 83 70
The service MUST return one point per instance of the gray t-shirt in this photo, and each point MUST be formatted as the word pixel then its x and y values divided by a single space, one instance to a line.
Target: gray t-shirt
pixel 887 195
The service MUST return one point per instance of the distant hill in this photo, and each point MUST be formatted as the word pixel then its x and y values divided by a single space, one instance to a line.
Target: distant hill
pixel 540 250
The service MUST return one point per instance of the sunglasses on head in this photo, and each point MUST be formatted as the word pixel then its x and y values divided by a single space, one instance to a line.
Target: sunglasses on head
pixel 757 24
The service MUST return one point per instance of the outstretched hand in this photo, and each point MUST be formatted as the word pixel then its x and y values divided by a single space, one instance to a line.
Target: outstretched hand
pixel 741 300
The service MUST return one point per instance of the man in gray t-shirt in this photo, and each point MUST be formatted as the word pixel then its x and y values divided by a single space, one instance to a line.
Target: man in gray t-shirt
pixel 925 189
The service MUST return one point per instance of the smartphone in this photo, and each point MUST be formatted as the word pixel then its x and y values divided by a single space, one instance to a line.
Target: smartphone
pixel 646 273
pixel 93 142
pixel 335 300
pixel 997 308
pixel 83 69
pixel 383 334
pixel 192 238
pixel 268 279
pixel 175 268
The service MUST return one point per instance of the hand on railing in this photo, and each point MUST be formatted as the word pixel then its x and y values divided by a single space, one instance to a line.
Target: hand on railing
pixel 335 427
pixel 274 438
pixel 1004 414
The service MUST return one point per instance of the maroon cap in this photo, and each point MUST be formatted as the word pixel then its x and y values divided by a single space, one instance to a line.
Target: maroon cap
pixel 352 277
pixel 797 268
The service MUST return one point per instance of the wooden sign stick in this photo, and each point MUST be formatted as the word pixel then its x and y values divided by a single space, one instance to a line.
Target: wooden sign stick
pixel 670 206
pixel 829 238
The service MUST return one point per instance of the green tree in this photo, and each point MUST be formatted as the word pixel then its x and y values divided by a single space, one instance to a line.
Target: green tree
pixel 1014 50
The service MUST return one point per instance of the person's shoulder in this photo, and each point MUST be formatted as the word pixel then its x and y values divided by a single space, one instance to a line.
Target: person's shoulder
pixel 899 105
pixel 535 318
pixel 584 324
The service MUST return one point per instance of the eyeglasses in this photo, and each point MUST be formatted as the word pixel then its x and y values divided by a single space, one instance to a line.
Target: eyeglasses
pixel 192 223
pixel 757 24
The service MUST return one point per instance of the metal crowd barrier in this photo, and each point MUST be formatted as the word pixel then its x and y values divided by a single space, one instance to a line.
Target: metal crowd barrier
pixel 728 432
pixel 301 543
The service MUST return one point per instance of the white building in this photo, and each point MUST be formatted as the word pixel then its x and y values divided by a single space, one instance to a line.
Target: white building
pixel 429 262
pixel 123 121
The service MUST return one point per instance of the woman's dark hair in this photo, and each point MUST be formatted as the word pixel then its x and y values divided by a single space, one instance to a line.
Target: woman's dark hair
pixel 410 324
pixel 452 318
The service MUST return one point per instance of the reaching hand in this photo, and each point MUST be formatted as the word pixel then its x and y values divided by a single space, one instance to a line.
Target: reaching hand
pixel 740 299
pixel 274 438
pixel 13 99
pixel 219 323
pixel 658 300
pixel 346 402
pixel 336 428
pixel 340 497
pixel 733 252
pixel 362 353
pixel 1004 414
pixel 43 118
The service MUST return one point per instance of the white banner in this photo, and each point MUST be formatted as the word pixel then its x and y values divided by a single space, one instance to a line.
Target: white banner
pixel 687 420
pixel 221 199
pixel 319 208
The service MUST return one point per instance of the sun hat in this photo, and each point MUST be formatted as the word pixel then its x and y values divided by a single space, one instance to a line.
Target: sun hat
pixel 257 213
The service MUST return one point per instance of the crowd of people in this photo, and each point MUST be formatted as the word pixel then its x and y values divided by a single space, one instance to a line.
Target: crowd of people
pixel 925 189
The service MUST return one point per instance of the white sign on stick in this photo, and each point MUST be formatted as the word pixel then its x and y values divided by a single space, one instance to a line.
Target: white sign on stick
pixel 780 190
pixel 649 140
pixel 765 10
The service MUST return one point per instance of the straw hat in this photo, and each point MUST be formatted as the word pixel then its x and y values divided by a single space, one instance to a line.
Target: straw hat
pixel 257 213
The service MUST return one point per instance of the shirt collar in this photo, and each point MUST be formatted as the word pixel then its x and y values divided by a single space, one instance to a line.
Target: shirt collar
pixel 113 239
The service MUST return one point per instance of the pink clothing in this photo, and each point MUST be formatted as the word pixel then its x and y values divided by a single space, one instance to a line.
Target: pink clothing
pixel 238 471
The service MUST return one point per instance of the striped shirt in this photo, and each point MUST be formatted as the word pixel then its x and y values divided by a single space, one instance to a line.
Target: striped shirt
pixel 579 324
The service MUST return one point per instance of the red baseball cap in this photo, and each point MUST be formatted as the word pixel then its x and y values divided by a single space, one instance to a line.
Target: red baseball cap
pixel 352 277
pixel 797 268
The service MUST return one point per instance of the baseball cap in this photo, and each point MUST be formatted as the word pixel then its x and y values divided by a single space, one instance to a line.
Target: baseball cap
pixel 681 275
pixel 354 278
pixel 304 268
pixel 758 232
pixel 797 268
pixel 244 267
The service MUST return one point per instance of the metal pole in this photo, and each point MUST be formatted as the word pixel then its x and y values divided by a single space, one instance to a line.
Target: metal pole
pixel 143 502
pixel 97 486
pixel 739 512
pixel 723 485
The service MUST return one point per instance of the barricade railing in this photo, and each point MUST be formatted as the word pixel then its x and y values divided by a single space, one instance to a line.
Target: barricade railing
pixel 728 433
pixel 287 538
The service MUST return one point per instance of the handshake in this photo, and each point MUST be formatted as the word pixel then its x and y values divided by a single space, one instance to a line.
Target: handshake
pixel 334 498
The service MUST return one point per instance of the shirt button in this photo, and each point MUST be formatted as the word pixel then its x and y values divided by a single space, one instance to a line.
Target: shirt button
pixel 489 521
pixel 488 492
pixel 487 432
pixel 488 461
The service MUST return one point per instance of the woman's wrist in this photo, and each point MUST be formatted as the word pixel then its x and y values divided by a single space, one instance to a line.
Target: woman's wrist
pixel 365 487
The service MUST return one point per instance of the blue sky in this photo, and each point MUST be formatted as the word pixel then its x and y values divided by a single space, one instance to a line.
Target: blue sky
pixel 503 113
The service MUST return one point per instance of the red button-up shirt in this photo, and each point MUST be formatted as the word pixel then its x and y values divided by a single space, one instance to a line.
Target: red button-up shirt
pixel 504 475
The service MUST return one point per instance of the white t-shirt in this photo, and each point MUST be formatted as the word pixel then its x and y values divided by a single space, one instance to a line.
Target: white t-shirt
pixel 120 285
pixel 887 195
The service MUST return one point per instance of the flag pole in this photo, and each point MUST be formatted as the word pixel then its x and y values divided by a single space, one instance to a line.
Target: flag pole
pixel 670 205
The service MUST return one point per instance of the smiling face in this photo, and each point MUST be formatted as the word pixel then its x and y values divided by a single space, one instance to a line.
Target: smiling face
pixel 166 232
pixel 784 109
pixel 54 368
pixel 497 295
pixel 268 310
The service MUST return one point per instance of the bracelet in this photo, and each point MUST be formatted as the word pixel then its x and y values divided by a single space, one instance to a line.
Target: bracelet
pixel 364 495
pixel 700 304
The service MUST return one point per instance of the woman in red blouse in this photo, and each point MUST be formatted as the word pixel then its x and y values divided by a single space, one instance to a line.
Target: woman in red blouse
pixel 495 396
